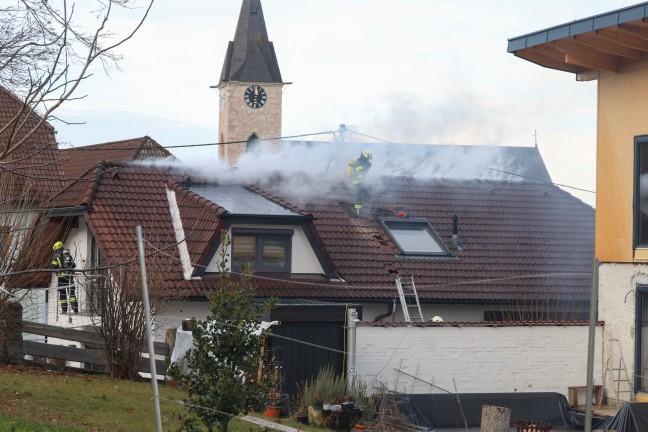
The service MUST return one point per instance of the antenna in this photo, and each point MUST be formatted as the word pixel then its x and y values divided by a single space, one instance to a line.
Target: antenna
pixel 535 135
pixel 342 131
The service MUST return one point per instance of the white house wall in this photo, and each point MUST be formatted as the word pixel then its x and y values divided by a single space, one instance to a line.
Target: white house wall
pixel 78 242
pixel 616 306
pixel 174 312
pixel 303 258
pixel 480 359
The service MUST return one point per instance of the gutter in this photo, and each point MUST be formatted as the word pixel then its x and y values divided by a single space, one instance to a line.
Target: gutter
pixel 266 217
pixel 67 211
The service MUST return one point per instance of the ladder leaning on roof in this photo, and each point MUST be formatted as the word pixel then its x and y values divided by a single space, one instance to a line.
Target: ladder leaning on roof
pixel 409 300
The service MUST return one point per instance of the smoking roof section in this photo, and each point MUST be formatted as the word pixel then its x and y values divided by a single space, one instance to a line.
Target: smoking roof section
pixel 237 199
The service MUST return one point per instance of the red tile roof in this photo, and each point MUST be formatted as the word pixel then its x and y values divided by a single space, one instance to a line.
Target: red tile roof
pixel 34 166
pixel 522 240
pixel 78 160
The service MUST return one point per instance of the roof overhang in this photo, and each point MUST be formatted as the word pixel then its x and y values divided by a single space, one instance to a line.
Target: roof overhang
pixel 603 42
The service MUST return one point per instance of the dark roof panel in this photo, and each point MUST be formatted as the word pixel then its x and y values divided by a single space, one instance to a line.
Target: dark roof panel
pixel 237 199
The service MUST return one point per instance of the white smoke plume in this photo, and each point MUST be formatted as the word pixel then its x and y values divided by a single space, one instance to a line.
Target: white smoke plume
pixel 311 169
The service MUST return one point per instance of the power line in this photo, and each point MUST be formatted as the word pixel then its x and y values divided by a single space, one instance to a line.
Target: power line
pixel 542 181
pixel 351 287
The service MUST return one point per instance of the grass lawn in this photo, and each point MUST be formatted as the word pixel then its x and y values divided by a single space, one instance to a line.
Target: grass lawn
pixel 33 399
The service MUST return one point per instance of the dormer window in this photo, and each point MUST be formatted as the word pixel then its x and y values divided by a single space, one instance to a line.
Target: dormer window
pixel 263 250
pixel 414 236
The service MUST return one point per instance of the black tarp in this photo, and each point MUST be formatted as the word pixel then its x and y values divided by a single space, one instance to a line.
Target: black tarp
pixel 445 411
pixel 632 417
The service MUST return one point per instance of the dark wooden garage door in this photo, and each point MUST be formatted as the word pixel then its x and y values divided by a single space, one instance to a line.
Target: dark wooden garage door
pixel 309 338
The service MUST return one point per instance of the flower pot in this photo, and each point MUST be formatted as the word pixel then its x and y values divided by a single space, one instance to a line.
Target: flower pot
pixel 272 412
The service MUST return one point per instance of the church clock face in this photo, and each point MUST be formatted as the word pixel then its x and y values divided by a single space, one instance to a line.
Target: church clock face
pixel 255 96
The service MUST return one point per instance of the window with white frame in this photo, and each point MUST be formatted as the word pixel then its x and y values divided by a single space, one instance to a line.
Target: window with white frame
pixel 414 236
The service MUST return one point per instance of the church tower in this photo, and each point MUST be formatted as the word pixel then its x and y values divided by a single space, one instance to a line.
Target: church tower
pixel 250 89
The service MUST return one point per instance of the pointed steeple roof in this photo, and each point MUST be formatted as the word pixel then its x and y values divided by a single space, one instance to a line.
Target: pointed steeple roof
pixel 250 56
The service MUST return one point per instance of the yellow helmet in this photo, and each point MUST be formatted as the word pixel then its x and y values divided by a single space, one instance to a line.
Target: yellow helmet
pixel 58 245
pixel 367 154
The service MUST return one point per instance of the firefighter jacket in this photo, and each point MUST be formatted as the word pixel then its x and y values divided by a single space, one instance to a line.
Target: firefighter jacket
pixel 62 260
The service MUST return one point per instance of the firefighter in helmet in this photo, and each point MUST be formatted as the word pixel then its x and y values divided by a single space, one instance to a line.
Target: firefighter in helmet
pixel 63 262
pixel 357 170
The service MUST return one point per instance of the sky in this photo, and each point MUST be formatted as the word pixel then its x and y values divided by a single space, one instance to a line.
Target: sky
pixel 413 71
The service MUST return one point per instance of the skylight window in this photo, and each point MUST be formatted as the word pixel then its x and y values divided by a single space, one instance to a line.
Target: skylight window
pixel 414 236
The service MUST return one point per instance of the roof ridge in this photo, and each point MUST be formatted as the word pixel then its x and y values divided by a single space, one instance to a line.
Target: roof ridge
pixel 137 139
pixel 94 182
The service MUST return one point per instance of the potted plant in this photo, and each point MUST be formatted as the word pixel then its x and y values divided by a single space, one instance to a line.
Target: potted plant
pixel 274 398
pixel 274 395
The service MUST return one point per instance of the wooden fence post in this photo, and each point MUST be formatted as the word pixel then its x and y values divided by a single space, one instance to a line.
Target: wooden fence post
pixel 10 331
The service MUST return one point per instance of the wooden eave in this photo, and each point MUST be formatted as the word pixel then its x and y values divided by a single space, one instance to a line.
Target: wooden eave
pixel 605 42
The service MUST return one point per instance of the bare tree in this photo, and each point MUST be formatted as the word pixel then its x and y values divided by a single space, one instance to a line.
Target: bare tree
pixel 119 315
pixel 46 52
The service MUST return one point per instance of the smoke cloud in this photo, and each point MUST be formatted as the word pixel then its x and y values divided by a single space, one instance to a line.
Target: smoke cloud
pixel 306 170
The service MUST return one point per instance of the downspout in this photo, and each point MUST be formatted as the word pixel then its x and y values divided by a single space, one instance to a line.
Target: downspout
pixel 390 310
pixel 352 320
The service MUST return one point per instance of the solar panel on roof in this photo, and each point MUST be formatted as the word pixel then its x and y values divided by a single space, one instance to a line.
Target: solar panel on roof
pixel 237 199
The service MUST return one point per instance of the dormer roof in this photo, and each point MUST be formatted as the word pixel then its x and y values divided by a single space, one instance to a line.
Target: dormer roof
pixel 251 56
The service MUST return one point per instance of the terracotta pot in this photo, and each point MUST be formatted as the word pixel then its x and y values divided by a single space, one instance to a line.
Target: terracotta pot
pixel 272 412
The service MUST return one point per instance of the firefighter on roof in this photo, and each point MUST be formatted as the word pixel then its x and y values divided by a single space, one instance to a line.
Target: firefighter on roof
pixel 64 263
pixel 357 170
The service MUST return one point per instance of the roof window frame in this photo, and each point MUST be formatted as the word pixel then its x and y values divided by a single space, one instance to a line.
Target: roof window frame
pixel 387 223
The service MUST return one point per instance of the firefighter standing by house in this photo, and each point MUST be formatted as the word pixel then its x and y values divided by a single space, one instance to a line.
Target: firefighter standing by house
pixel 64 263
pixel 357 170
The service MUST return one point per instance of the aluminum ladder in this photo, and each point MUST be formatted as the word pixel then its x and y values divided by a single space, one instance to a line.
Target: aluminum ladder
pixel 409 300
pixel 619 373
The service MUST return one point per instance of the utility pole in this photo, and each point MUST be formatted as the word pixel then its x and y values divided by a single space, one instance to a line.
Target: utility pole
pixel 149 331
pixel 590 347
